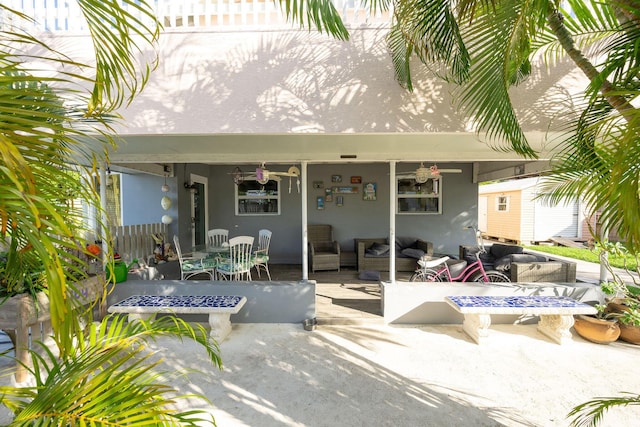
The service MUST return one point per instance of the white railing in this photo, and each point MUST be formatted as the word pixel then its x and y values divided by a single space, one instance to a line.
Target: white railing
pixel 136 241
pixel 65 16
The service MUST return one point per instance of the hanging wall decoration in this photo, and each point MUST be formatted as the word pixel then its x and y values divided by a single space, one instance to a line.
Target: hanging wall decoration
pixel 165 202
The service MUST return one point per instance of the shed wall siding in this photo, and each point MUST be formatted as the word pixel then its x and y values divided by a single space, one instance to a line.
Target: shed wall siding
pixel 528 219
pixel 504 225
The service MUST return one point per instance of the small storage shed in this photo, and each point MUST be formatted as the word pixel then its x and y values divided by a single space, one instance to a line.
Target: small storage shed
pixel 510 211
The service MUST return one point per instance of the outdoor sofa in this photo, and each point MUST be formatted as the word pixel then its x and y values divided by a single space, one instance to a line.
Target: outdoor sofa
pixel 521 267
pixel 373 253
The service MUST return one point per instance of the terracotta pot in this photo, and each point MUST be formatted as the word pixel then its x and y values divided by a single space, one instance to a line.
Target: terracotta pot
pixel 596 330
pixel 630 333
pixel 616 306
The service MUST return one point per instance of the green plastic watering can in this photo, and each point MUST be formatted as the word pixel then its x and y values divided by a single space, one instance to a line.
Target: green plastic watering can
pixel 118 271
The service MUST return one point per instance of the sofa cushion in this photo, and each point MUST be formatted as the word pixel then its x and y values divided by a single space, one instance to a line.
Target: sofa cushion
pixel 498 250
pixel 504 263
pixel 378 249
pixel 405 242
pixel 412 253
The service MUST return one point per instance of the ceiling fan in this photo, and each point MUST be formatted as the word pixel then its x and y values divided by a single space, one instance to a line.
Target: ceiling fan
pixel 264 175
pixel 423 173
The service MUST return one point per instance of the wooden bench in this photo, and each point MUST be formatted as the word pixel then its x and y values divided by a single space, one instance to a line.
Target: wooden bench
pixel 556 313
pixel 219 309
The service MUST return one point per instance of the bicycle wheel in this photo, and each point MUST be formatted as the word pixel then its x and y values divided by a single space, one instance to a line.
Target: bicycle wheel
pixel 425 275
pixel 494 277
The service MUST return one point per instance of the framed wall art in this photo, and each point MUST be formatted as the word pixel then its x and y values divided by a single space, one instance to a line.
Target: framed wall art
pixel 336 178
pixel 328 195
pixel 346 190
pixel 369 191
pixel 320 203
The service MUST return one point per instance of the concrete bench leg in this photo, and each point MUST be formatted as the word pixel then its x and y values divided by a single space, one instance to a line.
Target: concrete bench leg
pixel 476 326
pixel 220 325
pixel 556 326
pixel 140 316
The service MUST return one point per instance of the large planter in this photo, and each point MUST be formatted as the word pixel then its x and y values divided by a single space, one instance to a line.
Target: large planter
pixel 20 313
pixel 628 333
pixel 597 330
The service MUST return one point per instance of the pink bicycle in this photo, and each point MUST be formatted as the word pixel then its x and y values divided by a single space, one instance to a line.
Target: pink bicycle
pixel 438 270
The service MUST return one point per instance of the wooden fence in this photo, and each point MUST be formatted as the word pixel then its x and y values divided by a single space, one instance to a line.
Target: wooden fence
pixel 136 241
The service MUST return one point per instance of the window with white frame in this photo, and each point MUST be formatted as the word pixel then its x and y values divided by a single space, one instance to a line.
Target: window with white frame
pixel 414 198
pixel 502 203
pixel 253 198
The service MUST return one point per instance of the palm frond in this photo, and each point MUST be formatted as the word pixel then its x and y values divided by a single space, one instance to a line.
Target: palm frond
pixel 401 53
pixel 431 31
pixel 111 378
pixel 591 413
pixel 319 14
pixel 499 40
pixel 116 35
pixel 598 162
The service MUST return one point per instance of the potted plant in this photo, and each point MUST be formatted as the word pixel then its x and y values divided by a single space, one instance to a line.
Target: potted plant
pixel 623 299
pixel 601 328
pixel 626 309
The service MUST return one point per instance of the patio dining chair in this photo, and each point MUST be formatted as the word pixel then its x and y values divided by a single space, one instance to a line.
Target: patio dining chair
pixel 238 263
pixel 261 255
pixel 193 265
pixel 217 237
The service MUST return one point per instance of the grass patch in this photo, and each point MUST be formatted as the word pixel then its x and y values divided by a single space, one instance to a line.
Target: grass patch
pixel 586 255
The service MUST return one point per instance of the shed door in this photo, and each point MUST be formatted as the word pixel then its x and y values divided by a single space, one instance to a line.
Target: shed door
pixel 556 221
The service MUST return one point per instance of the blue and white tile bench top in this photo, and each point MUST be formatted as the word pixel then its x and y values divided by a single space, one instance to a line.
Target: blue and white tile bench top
pixel 219 308
pixel 556 313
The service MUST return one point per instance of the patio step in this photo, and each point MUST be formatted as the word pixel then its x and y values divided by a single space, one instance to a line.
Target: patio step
pixel 332 321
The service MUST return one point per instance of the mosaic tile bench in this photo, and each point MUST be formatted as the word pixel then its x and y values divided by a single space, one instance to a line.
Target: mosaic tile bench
pixel 219 309
pixel 556 313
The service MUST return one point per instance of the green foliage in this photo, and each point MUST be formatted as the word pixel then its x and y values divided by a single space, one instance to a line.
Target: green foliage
pixel 111 378
pixel 102 374
pixel 44 134
pixel 589 255
pixel 591 413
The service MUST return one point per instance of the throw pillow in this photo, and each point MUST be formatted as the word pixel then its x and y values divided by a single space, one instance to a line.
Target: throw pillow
pixel 498 250
pixel 413 253
pixel 405 242
pixel 378 249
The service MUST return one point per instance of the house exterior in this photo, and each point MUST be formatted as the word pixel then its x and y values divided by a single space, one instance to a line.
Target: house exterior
pixel 237 88
pixel 511 211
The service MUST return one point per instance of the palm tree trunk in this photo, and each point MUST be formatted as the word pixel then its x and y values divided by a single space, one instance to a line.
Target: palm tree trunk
pixel 606 88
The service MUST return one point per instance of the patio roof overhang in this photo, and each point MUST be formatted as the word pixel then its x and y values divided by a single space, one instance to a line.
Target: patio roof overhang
pixel 491 164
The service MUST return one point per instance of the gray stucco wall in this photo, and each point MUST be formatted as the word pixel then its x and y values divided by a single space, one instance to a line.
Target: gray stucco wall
pixel 141 194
